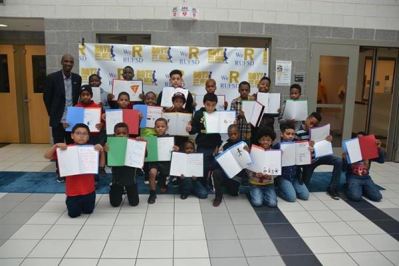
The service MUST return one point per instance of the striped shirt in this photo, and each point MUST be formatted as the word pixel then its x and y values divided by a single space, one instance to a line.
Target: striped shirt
pixel 302 134
pixel 244 127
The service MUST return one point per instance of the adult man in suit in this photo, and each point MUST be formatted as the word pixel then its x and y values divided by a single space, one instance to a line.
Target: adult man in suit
pixel 61 90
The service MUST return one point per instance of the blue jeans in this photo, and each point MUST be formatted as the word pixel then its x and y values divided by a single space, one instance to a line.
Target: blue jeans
pixel 260 195
pixel 188 185
pixel 325 160
pixel 362 186
pixel 290 190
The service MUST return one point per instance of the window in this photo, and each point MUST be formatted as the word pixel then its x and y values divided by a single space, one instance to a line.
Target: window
pixel 240 41
pixel 39 73
pixel 124 38
pixel 4 82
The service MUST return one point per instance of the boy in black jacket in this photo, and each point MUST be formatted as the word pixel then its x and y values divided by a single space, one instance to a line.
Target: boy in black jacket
pixel 219 177
pixel 207 144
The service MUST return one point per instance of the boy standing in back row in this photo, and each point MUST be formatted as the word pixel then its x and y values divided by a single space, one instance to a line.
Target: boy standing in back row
pixel 176 81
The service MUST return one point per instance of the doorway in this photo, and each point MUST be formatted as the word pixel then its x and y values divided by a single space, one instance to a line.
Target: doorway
pixel 22 77
pixel 38 124
pixel 9 132
pixel 376 94
pixel 333 77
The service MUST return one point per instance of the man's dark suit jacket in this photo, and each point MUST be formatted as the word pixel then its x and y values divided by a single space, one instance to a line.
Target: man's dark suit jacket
pixel 54 95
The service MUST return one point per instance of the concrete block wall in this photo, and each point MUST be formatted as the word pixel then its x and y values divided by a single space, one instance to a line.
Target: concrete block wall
pixel 289 42
pixel 381 14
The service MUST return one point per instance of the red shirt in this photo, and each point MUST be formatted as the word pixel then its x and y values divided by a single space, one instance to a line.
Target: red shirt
pixel 89 105
pixel 78 185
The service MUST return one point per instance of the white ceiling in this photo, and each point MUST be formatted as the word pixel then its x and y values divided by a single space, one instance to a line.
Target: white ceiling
pixel 22 24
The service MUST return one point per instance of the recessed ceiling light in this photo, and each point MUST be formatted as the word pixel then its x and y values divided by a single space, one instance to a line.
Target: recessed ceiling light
pixel 3 25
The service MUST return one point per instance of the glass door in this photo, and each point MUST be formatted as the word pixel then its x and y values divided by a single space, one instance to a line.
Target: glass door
pixel 375 93
pixel 332 77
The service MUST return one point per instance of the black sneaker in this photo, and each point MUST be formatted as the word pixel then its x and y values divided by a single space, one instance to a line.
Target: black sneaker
pixel 216 202
pixel 61 179
pixel 333 192
pixel 152 198
pixel 183 196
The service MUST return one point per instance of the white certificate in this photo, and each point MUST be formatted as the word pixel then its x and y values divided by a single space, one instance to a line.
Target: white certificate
pixel 252 111
pixel 187 165
pixel 219 121
pixel 135 153
pixel 167 94
pixel 288 154
pixel 133 87
pixel 302 153
pixel 295 153
pixel 322 148
pixel 92 117
pixel 352 148
pixel 77 159
pixel 153 113
pixel 177 123
pixel 271 102
pixel 234 159
pixel 319 133
pixel 112 117
pixel 265 162
pixel 296 110
pixel 165 148
pixel 96 94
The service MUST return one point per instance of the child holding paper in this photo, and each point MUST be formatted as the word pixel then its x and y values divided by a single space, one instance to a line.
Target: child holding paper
pixel 123 177
pixel 191 185
pixel 95 81
pixel 123 101
pixel 178 101
pixel 302 133
pixel 80 189
pixel 159 170
pixel 264 87
pixel 358 177
pixel 245 129
pixel 150 99
pixel 295 94
pixel 176 81
pixel 127 74
pixel 207 144
pixel 220 179
pixel 210 87
pixel 289 187
pixel 262 185
pixel 85 101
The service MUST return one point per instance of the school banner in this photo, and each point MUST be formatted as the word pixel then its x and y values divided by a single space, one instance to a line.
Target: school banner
pixel 152 64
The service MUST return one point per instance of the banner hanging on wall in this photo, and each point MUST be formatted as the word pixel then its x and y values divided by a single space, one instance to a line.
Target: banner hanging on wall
pixel 152 64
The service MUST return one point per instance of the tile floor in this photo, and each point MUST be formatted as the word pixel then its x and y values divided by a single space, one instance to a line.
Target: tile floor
pixel 35 230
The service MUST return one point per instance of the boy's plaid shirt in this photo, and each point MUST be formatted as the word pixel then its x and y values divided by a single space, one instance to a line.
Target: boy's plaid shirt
pixel 243 127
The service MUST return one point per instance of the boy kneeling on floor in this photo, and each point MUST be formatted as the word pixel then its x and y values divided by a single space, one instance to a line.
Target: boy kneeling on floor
pixel 80 189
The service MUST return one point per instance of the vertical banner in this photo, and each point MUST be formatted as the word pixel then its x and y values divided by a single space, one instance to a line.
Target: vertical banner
pixel 152 64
